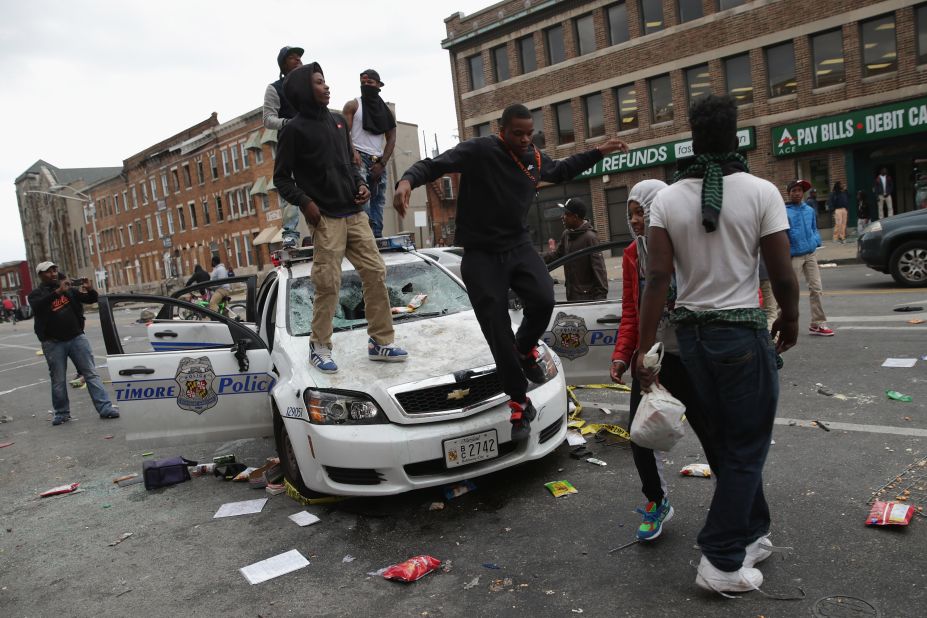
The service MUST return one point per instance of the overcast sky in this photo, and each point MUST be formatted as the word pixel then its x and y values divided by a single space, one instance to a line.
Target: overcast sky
pixel 88 83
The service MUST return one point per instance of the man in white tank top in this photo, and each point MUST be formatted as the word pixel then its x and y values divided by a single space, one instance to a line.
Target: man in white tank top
pixel 373 132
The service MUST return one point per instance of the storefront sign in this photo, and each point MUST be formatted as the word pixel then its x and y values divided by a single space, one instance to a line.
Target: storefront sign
pixel 658 154
pixel 865 125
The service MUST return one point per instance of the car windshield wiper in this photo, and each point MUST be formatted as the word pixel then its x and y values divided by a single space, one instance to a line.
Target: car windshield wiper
pixel 415 314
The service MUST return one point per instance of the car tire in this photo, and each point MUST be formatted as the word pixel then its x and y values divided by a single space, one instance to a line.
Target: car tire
pixel 908 264
pixel 288 459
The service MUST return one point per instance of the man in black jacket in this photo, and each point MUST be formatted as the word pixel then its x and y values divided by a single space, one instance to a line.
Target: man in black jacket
pixel 586 277
pixel 59 325
pixel 499 180
pixel 315 171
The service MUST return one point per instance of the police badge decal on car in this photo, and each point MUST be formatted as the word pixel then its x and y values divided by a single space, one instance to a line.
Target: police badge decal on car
pixel 195 377
pixel 569 336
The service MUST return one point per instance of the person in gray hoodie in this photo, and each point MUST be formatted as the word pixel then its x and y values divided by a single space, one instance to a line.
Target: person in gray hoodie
pixel 586 278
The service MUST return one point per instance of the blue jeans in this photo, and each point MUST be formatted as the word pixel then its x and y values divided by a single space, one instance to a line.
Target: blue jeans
pixel 374 206
pixel 79 351
pixel 733 371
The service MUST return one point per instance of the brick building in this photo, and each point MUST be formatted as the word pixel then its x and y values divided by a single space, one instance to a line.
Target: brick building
pixel 828 90
pixel 15 281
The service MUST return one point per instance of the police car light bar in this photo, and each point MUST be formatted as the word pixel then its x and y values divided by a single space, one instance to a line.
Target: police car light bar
pixel 399 242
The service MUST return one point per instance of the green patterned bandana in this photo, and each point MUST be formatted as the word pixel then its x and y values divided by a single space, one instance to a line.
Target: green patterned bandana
pixel 711 168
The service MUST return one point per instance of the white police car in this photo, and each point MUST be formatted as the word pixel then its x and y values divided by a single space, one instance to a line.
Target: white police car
pixel 370 429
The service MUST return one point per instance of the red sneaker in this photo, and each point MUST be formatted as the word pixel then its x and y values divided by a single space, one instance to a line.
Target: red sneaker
pixel 820 330
pixel 522 415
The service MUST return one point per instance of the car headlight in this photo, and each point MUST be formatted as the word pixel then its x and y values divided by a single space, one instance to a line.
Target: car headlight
pixel 873 228
pixel 546 361
pixel 330 407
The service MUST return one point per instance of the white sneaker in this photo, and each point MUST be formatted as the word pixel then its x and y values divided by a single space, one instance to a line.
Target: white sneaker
pixel 758 551
pixel 714 579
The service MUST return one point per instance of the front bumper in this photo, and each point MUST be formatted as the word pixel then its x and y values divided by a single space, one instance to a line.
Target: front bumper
pixel 378 460
pixel 869 251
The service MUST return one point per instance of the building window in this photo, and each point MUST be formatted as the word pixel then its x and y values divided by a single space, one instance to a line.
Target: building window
pixel 176 179
pixel 238 259
pixel 187 180
pixel 181 219
pixel 738 80
pixel 234 152
pixel 249 255
pixel 527 59
pixel 626 103
pixel 689 10
pixel 170 222
pixel 131 235
pixel 144 192
pixel 475 66
pixel 265 202
pixel 193 221
pixel 149 228
pixel 827 52
pixel 134 197
pixel 225 162
pixel 138 230
pixel 556 52
pixel 200 176
pixel 921 23
pixel 780 66
pixel 125 201
pixel 154 189
pixel 500 64
pixel 661 99
pixel 244 155
pixel 205 211
pixel 164 186
pixel 698 82
pixel 595 118
pixel 564 114
pixel 159 225
pixel 244 197
pixel 879 52
pixel 651 16
pixel 617 15
pixel 219 215
pixel 214 167
pixel 723 5
pixel 585 34
pixel 115 203
pixel 537 122
pixel 259 156
pixel 482 130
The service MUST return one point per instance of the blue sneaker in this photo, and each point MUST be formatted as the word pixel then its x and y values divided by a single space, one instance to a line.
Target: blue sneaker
pixel 655 515
pixel 59 419
pixel 113 412
pixel 389 352
pixel 321 358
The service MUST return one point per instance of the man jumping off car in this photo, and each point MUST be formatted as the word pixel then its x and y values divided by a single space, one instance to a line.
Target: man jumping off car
pixel 499 180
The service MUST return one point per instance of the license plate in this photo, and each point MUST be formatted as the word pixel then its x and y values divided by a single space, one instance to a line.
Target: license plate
pixel 471 449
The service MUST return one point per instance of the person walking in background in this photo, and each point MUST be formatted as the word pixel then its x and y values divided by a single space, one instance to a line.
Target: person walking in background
pixel 277 112
pixel 586 278
pixel 862 212
pixel 498 184
pixel 838 202
pixel 199 276
pixel 804 240
pixel 710 227
pixel 373 133
pixel 883 187
pixel 673 376
pixel 58 308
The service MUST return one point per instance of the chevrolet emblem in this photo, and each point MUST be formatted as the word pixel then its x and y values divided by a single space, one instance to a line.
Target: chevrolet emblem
pixel 459 393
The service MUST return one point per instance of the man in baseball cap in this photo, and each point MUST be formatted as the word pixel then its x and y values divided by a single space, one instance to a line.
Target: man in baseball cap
pixel 43 266
pixel 586 278
pixel 804 240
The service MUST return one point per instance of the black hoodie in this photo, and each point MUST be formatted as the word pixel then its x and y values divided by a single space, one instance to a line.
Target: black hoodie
pixel 314 152
pixel 495 192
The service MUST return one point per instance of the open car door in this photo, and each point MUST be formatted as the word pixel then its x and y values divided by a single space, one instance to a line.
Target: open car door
pixel 237 309
pixel 180 380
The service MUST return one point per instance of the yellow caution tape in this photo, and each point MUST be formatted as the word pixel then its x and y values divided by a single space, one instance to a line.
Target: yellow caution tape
pixel 293 493
pixel 594 428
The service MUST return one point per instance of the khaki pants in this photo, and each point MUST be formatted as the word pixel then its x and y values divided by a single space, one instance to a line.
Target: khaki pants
pixel 218 295
pixel 887 200
pixel 770 307
pixel 808 266
pixel 348 237
pixel 840 224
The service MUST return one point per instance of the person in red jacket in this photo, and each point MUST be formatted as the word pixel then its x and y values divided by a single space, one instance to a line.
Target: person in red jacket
pixel 673 374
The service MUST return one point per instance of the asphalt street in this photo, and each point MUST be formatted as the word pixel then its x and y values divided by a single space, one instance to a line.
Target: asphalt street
pixel 552 554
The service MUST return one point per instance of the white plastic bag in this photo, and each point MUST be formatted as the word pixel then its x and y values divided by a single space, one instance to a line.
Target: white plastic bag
pixel 658 423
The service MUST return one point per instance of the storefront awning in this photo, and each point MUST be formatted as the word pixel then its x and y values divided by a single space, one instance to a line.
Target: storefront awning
pixel 260 187
pixel 254 141
pixel 269 137
pixel 267 235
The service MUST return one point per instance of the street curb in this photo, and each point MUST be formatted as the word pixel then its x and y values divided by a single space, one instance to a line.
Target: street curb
pixel 842 261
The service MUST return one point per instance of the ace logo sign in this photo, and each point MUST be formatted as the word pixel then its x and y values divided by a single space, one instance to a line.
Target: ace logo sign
pixel 895 119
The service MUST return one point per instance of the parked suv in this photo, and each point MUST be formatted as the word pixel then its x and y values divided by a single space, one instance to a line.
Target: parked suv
pixel 897 246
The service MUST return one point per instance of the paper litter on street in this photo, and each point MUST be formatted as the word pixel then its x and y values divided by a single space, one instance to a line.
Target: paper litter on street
pixel 304 518
pixel 276 566
pixel 899 362
pixel 245 507
pixel 574 438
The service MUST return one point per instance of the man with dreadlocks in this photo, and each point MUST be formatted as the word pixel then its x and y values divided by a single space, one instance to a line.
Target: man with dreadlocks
pixel 711 226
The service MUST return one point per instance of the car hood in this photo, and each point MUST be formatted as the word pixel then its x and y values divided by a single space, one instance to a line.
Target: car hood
pixel 905 218
pixel 437 347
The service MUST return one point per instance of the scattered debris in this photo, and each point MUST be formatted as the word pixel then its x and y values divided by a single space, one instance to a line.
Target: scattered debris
pixel 348 558
pixel 629 544
pixel 908 308
pixel 148 454
pixel 896 396
pixel 498 585
pixel 6 418
pixel 595 461
pixel 412 569
pixel 560 488
pixel 202 469
pixel 916 321
pixel 275 489
pixel 274 567
pixel 458 489
pixel 126 591
pixel 822 425
pixel 823 390
pixel 473 583
pixel 6 444
pixel 125 477
pixel 899 362
pixel 436 506
pixel 447 566
pixel 580 452
pixel 828 265
pixel 574 438
pixel 304 518
pixel 491 565
pixel 889 514
pixel 910 487
pixel 293 493
pixel 244 507
pixel 577 611
pixel 224 459
pixel 120 539
pixel 61 489
pixel 697 469
pixel 108 437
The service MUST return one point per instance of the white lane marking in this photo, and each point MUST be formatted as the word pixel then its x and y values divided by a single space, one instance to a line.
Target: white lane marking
pixel 17 335
pixel 23 386
pixel 911 328
pixel 41 362
pixel 24 347
pixel 879 318
pixel 898 431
